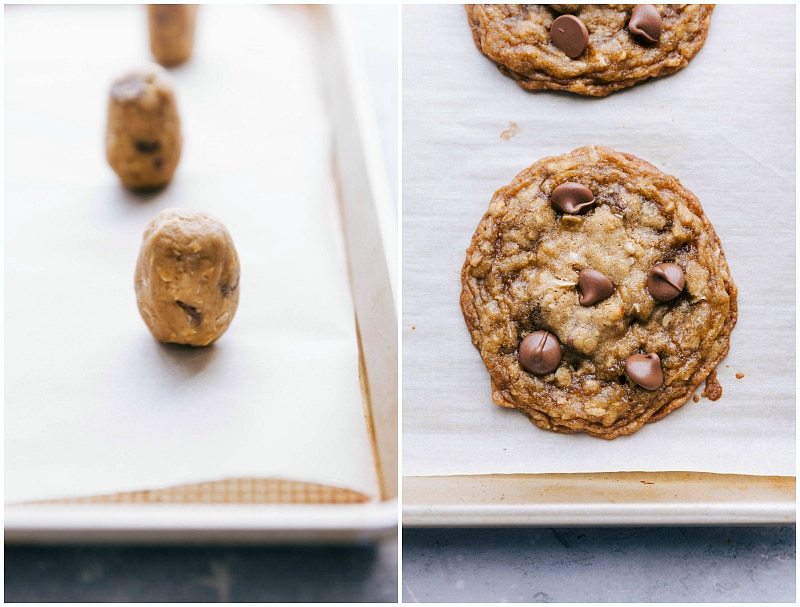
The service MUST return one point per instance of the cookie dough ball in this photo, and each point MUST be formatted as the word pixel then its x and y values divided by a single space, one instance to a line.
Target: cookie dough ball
pixel 171 32
pixel 143 133
pixel 187 277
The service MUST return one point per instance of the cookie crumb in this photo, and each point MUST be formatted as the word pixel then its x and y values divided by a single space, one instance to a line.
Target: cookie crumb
pixel 713 389
pixel 696 398
pixel 413 327
pixel 512 130
pixel 739 375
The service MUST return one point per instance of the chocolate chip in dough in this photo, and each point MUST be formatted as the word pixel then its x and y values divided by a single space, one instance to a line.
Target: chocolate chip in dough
pixel 593 286
pixel 570 35
pixel 194 313
pixel 147 147
pixel 645 23
pixel 540 353
pixel 572 198
pixel 665 281
pixel 645 370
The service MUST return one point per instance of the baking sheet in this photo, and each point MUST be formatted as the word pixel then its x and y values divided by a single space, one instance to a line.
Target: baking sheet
pixel 92 403
pixel 596 499
pixel 725 126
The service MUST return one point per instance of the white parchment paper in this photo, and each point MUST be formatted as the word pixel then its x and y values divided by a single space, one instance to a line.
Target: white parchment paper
pixel 93 404
pixel 725 126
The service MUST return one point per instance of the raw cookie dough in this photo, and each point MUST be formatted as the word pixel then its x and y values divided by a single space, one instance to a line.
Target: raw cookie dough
pixel 171 32
pixel 187 277
pixel 143 132
pixel 604 351
pixel 595 49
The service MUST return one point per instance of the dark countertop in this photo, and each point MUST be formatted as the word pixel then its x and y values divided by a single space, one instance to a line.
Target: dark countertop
pixel 675 564
pixel 680 564
pixel 358 573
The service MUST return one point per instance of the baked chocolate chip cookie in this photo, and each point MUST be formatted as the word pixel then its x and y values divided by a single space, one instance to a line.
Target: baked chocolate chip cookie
pixel 589 49
pixel 597 293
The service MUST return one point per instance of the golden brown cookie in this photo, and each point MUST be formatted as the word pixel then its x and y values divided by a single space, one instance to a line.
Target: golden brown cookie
pixel 143 131
pixel 597 293
pixel 187 277
pixel 589 49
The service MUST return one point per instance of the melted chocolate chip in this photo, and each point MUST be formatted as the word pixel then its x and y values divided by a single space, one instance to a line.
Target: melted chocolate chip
pixel 645 370
pixel 665 281
pixel 570 35
pixel 593 286
pixel 572 198
pixel 645 23
pixel 147 147
pixel 540 353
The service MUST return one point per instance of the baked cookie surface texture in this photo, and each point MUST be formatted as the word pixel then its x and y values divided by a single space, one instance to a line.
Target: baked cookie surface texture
pixel 187 277
pixel 597 293
pixel 588 49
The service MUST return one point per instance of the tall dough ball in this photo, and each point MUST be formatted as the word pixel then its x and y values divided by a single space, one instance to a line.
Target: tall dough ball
pixel 187 277
pixel 143 132
pixel 171 32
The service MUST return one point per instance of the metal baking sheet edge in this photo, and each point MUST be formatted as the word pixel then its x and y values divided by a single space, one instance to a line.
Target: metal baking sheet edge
pixel 604 499
pixel 198 523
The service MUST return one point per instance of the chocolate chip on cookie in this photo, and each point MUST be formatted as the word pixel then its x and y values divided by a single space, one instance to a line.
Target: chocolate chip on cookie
pixel 665 281
pixel 570 35
pixel 645 23
pixel 645 370
pixel 540 353
pixel 594 49
pixel 640 335
pixel 572 198
pixel 593 286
